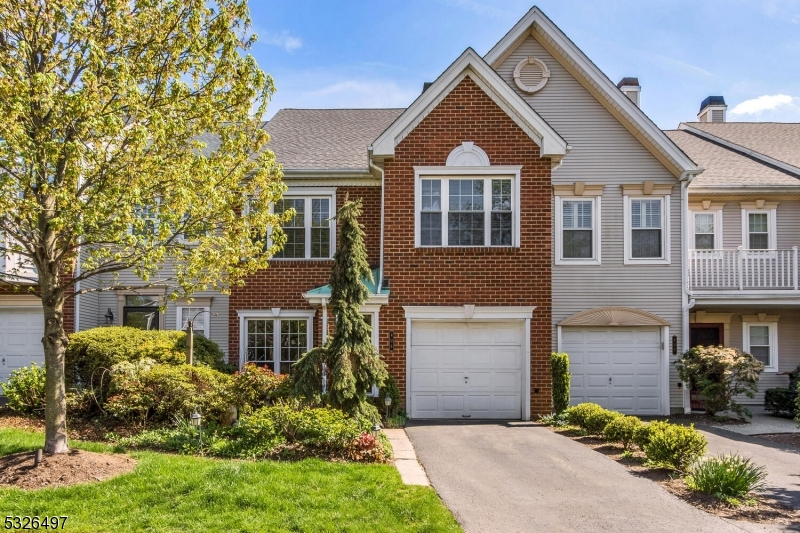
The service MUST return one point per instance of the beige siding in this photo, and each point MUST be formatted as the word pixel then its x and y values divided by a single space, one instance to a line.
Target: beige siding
pixel 603 151
pixel 731 225
pixel 788 346
pixel 788 224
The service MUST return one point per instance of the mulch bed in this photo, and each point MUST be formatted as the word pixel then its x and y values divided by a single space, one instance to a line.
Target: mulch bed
pixel 792 439
pixel 60 470
pixel 762 510
pixel 79 428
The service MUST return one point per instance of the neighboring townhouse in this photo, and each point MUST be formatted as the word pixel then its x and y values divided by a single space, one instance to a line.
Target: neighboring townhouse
pixel 523 203
pixel 743 238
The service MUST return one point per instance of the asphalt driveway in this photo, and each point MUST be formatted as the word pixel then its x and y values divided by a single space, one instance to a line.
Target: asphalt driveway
pixel 517 476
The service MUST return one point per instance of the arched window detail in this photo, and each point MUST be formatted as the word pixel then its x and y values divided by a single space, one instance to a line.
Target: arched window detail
pixel 468 155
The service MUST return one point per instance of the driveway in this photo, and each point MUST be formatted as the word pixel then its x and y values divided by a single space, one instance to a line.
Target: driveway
pixel 517 476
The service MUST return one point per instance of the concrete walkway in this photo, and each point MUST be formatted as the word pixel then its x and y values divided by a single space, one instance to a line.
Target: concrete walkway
pixel 760 424
pixel 405 459
pixel 782 461
pixel 517 476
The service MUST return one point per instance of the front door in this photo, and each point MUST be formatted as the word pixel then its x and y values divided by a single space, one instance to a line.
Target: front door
pixel 706 335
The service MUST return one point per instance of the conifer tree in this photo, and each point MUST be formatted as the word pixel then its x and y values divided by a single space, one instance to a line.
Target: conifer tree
pixel 352 362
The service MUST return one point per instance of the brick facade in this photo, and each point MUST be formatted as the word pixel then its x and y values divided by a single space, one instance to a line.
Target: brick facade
pixel 282 284
pixel 478 276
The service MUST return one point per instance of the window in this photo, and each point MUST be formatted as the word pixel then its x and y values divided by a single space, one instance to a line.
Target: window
pixel 704 231
pixel 759 226
pixel 200 315
pixel 309 234
pixel 761 340
pixel 647 230
pixel 141 312
pixel 757 231
pixel 577 231
pixel 276 343
pixel 474 211
pixel 147 220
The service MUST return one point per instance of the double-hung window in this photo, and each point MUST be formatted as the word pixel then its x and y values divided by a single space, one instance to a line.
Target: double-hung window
pixel 761 340
pixel 276 343
pixel 310 233
pixel 647 230
pixel 758 231
pixel 467 211
pixel 577 230
pixel 704 236
pixel 200 316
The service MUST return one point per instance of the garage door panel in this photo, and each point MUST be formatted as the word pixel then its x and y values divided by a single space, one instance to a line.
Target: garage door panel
pixel 489 355
pixel 21 332
pixel 630 356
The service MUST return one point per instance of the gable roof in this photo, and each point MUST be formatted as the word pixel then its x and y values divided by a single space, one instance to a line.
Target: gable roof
pixel 596 82
pixel 777 143
pixel 470 64
pixel 326 139
pixel 725 167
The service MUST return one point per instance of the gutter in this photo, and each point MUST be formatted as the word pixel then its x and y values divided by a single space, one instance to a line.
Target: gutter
pixel 379 284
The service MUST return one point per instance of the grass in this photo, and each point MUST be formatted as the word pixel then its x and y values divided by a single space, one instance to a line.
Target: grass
pixel 168 493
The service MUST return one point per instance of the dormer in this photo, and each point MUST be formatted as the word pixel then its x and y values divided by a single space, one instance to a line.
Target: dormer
pixel 712 109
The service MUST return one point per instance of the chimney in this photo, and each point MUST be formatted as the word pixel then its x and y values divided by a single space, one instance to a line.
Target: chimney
pixel 712 109
pixel 425 85
pixel 630 87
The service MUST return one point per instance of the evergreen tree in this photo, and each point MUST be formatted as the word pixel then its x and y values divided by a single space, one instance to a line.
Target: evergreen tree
pixel 352 362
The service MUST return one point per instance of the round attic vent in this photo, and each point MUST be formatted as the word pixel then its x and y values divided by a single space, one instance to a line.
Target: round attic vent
pixel 531 74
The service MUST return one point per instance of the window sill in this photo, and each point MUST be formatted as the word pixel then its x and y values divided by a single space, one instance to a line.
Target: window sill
pixel 578 262
pixel 629 261
pixel 471 250
pixel 301 260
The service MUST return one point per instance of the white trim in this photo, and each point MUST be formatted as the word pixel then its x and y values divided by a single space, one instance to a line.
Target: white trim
pixel 595 81
pixel 277 315
pixel 308 194
pixel 772 227
pixel 512 172
pixel 596 258
pixel 471 65
pixel 665 364
pixel 206 318
pixel 666 240
pixel 320 299
pixel 467 155
pixel 773 342
pixel 718 244
pixel 450 313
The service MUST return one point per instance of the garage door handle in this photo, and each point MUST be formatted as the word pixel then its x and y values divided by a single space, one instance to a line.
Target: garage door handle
pixel 609 380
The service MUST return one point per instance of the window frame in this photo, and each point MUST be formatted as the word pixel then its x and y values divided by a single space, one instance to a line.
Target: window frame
pixel 179 318
pixel 717 213
pixel 772 228
pixel 485 173
pixel 596 258
pixel 309 194
pixel 666 239
pixel 747 322
pixel 276 315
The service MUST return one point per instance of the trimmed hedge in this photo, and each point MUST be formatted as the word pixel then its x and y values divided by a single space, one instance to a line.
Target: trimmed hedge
pixel 25 389
pixel 559 370
pixel 255 387
pixel 623 429
pixel 673 445
pixel 590 417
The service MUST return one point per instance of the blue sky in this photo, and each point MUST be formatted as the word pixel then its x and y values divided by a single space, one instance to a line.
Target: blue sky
pixel 378 53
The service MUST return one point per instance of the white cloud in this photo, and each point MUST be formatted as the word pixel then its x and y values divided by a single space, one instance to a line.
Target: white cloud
pixel 767 102
pixel 358 93
pixel 284 39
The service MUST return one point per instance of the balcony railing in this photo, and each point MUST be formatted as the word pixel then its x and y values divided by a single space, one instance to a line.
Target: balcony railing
pixel 743 270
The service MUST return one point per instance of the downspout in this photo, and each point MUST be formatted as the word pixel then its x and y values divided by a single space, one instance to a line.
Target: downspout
pixel 379 284
pixel 686 301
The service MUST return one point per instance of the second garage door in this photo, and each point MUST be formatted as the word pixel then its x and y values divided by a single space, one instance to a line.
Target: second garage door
pixel 466 370
pixel 616 367
pixel 21 332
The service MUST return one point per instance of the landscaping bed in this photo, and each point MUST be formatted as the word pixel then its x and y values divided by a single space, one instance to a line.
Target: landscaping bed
pixel 758 509
pixel 61 470
pixel 792 439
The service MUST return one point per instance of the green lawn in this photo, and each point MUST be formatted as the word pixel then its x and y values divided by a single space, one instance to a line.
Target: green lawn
pixel 180 493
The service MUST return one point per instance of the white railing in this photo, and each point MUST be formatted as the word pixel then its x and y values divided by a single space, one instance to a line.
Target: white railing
pixel 764 270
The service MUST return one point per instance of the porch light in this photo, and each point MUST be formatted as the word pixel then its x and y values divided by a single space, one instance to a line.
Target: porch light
pixel 109 316
pixel 387 401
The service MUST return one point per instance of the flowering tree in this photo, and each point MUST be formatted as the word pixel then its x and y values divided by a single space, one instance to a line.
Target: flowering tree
pixel 106 112
pixel 720 374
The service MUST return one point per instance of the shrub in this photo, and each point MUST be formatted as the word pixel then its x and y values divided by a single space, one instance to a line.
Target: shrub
pixel 590 417
pixel 256 386
pixel 781 401
pixel 622 429
pixel 559 369
pixel 727 477
pixel 102 348
pixel 146 392
pixel 596 422
pixel 206 352
pixel 579 414
pixel 642 435
pixel 390 389
pixel 673 445
pixel 720 374
pixel 25 389
pixel 558 420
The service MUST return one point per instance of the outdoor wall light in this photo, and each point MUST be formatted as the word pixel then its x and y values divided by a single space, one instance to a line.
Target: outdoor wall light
pixel 674 345
pixel 391 341
pixel 109 316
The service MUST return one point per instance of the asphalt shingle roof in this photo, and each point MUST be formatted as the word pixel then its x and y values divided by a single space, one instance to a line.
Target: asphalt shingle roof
pixel 778 140
pixel 725 166
pixel 326 139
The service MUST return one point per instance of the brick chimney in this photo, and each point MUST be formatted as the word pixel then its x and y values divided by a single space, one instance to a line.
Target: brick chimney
pixel 630 87
pixel 712 109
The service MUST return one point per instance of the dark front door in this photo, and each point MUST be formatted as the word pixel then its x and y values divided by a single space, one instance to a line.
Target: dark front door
pixel 706 335
pixel 142 317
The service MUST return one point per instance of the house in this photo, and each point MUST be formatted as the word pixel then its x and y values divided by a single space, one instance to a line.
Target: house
pixel 743 237
pixel 522 203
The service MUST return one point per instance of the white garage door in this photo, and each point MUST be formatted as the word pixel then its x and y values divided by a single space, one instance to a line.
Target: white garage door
pixel 21 332
pixel 466 370
pixel 616 367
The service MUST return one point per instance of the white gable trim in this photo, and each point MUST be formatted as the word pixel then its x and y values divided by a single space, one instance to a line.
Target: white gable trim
pixel 470 64
pixel 597 83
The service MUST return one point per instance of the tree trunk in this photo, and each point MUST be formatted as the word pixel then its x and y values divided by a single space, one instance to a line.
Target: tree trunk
pixel 55 347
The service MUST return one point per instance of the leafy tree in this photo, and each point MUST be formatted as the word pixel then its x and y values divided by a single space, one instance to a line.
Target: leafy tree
pixel 720 374
pixel 352 361
pixel 130 138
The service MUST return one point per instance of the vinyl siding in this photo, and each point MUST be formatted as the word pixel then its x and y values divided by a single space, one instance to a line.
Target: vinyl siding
pixel 788 224
pixel 603 151
pixel 732 225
